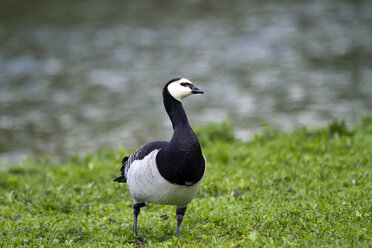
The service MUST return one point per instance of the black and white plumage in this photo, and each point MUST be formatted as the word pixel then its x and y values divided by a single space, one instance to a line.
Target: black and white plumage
pixel 165 172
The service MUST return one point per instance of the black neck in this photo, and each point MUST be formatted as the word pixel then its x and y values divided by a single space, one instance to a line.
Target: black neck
pixel 175 111
pixel 181 160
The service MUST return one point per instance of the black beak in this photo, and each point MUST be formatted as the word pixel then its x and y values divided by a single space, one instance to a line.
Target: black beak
pixel 196 90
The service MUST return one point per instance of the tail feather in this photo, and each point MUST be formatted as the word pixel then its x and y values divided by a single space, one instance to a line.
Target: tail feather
pixel 122 178
pixel 124 163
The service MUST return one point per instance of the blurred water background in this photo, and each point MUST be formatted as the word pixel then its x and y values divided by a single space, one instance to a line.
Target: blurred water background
pixel 77 76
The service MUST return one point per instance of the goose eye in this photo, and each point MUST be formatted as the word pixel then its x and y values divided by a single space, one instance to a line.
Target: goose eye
pixel 186 85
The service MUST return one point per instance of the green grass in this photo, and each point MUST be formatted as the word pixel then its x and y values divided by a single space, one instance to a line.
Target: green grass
pixel 307 188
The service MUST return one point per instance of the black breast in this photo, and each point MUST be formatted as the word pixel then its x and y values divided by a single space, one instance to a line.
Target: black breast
pixel 182 168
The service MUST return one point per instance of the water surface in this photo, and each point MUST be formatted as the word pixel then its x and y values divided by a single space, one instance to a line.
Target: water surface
pixel 77 76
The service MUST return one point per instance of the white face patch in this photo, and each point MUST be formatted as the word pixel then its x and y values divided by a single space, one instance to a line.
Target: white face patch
pixel 179 91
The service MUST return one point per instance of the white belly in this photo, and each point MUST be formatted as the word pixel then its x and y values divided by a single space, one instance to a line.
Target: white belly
pixel 147 185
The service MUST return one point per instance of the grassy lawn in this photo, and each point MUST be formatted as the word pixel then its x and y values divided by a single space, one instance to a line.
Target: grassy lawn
pixel 307 188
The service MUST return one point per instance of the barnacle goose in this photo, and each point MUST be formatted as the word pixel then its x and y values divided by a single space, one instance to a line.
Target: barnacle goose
pixel 165 172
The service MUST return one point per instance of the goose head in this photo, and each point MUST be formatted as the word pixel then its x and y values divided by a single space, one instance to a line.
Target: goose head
pixel 179 88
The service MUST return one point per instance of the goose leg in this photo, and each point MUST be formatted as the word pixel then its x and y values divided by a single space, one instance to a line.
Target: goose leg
pixel 180 212
pixel 136 209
